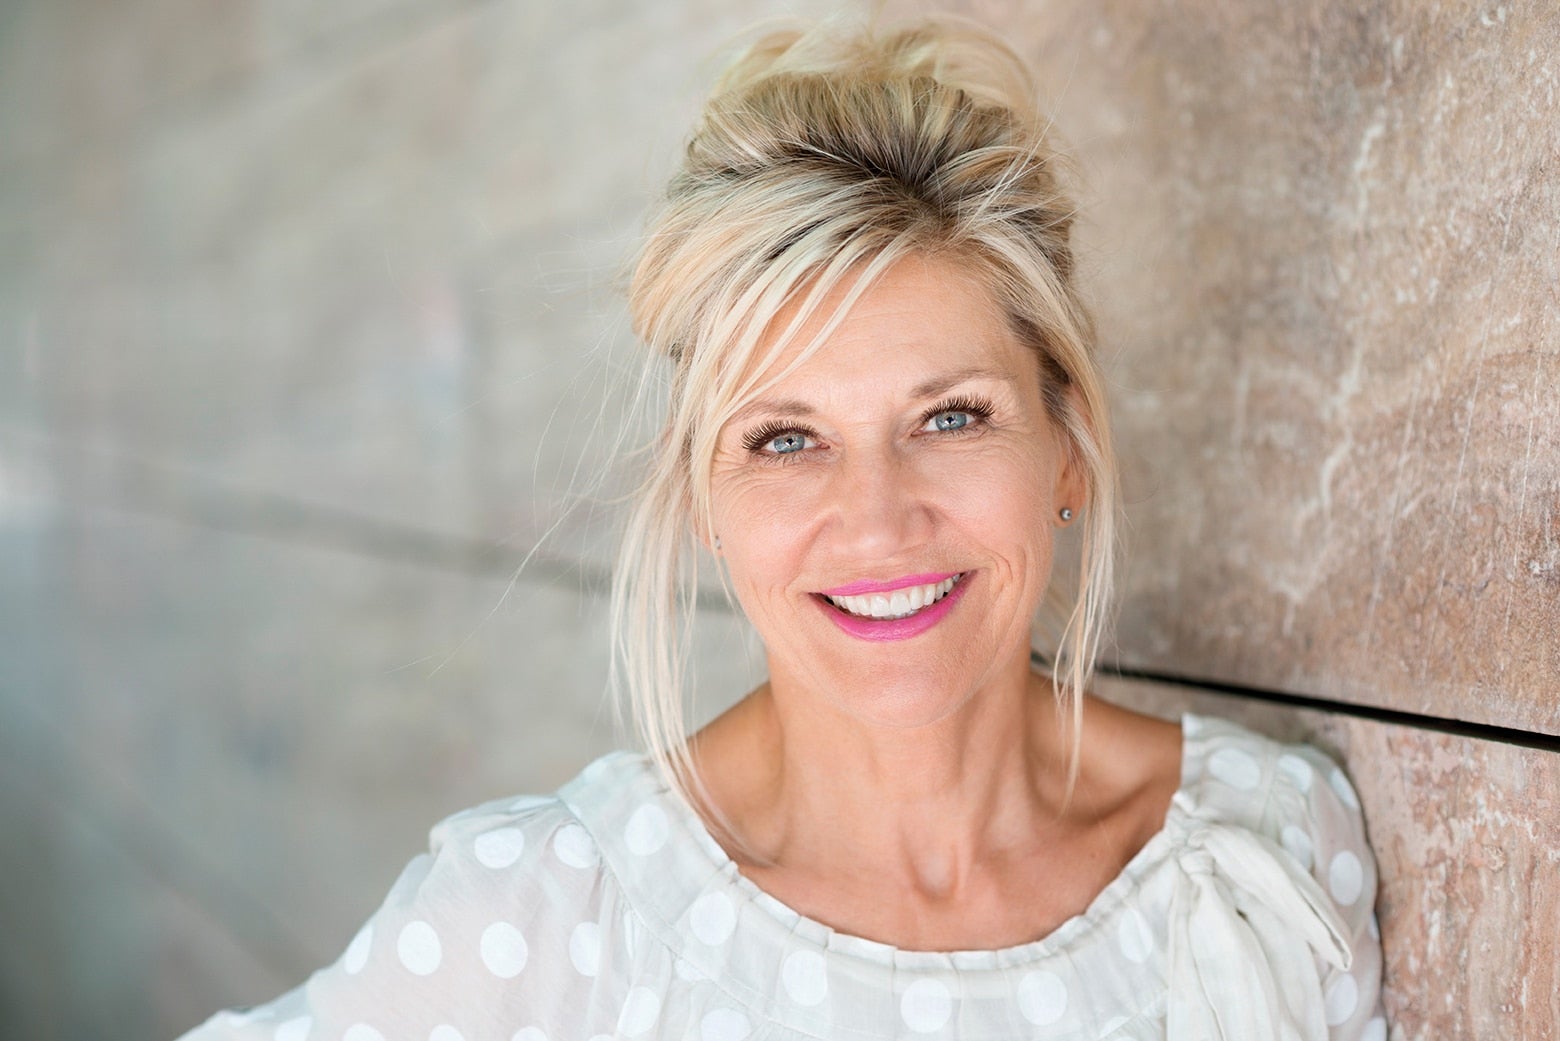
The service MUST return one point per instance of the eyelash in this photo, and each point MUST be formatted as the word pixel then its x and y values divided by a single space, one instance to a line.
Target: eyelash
pixel 979 408
pixel 758 438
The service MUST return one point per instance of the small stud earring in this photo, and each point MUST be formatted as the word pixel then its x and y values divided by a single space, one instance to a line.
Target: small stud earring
pixel 717 543
pixel 1066 515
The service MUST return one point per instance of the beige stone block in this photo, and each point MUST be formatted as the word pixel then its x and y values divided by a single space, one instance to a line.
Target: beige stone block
pixel 1324 243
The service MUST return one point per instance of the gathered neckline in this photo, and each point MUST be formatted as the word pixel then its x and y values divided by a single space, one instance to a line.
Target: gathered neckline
pixel 703 859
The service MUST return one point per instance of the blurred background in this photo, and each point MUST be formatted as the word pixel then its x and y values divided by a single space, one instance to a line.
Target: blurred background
pixel 312 355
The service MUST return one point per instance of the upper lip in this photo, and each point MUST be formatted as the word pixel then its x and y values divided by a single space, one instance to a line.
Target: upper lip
pixel 870 585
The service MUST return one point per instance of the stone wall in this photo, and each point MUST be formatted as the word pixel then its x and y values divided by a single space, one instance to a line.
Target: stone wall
pixel 309 319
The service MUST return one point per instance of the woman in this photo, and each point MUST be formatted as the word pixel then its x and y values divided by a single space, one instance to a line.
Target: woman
pixel 884 409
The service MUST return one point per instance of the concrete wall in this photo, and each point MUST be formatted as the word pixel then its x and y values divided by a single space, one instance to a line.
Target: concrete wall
pixel 307 313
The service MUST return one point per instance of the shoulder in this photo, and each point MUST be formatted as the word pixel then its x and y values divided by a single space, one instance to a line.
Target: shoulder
pixel 1293 795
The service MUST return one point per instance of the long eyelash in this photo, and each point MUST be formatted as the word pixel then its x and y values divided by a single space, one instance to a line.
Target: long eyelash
pixel 980 408
pixel 760 436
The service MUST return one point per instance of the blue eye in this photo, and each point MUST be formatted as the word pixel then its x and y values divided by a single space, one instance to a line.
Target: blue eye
pixel 951 420
pixel 785 444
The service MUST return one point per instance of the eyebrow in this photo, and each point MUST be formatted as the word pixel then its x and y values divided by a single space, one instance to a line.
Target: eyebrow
pixel 930 388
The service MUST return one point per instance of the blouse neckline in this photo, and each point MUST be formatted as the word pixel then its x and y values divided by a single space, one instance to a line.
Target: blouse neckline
pixel 721 926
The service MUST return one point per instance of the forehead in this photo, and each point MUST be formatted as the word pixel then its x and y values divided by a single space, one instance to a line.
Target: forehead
pixel 923 325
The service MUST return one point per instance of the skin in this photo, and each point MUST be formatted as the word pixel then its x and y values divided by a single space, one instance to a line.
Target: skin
pixel 914 792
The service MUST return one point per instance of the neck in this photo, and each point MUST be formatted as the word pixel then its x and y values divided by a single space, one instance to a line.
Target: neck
pixel 920 805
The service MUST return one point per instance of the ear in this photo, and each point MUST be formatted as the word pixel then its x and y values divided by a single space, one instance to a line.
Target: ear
pixel 1073 484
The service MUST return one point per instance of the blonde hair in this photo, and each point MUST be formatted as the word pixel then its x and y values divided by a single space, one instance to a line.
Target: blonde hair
pixel 823 157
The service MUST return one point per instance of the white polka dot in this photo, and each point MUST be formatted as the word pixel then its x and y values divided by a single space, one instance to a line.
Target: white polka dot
pixel 357 951
pixel 1298 843
pixel 574 847
pixel 362 1032
pixel 500 847
pixel 418 948
pixel 724 1024
pixel 926 1006
pixel 805 977
pixel 1296 769
pixel 294 1029
pixel 1235 768
pixel 1134 936
pixel 1345 878
pixel 1042 998
pixel 646 831
pixel 712 918
pixel 445 1032
pixel 1375 1030
pixel 687 971
pixel 640 1010
pixel 503 950
pixel 1345 790
pixel 585 948
pixel 1341 999
pixel 530 1034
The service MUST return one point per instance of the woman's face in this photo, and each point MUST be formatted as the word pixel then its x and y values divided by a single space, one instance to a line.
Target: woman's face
pixel 886 510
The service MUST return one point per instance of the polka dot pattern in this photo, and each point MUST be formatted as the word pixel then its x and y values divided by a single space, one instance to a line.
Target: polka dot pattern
pixel 574 847
pixel 504 950
pixel 640 1010
pixel 1134 937
pixel 1343 789
pixel 1345 878
pixel 499 848
pixel 1297 770
pixel 1340 1000
pixel 713 918
pixel 926 1005
pixel 724 1024
pixel 1235 768
pixel 1042 998
pixel 588 942
pixel 419 949
pixel 647 830
pixel 805 977
pixel 357 951
pixel 585 948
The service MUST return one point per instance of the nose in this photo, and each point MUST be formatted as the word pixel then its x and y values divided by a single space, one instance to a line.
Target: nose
pixel 880 507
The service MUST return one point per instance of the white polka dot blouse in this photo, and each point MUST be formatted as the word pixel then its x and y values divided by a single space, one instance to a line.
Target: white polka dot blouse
pixel 607 911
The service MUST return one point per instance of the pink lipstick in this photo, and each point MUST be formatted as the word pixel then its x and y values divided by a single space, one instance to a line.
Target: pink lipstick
pixel 867 585
pixel 889 629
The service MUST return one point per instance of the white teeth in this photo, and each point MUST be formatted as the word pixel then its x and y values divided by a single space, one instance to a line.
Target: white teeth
pixel 900 604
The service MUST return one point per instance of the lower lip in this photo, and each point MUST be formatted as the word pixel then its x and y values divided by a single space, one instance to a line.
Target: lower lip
pixel 895 628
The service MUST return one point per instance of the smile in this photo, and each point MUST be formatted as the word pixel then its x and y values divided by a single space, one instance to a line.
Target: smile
pixel 901 603
pixel 868 611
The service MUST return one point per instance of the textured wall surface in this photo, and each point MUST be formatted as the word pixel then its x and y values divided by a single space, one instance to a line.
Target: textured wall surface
pixel 1328 247
pixel 307 316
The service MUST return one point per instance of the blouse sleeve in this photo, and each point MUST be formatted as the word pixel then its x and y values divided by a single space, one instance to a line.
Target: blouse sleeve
pixel 1317 820
pixel 447 944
